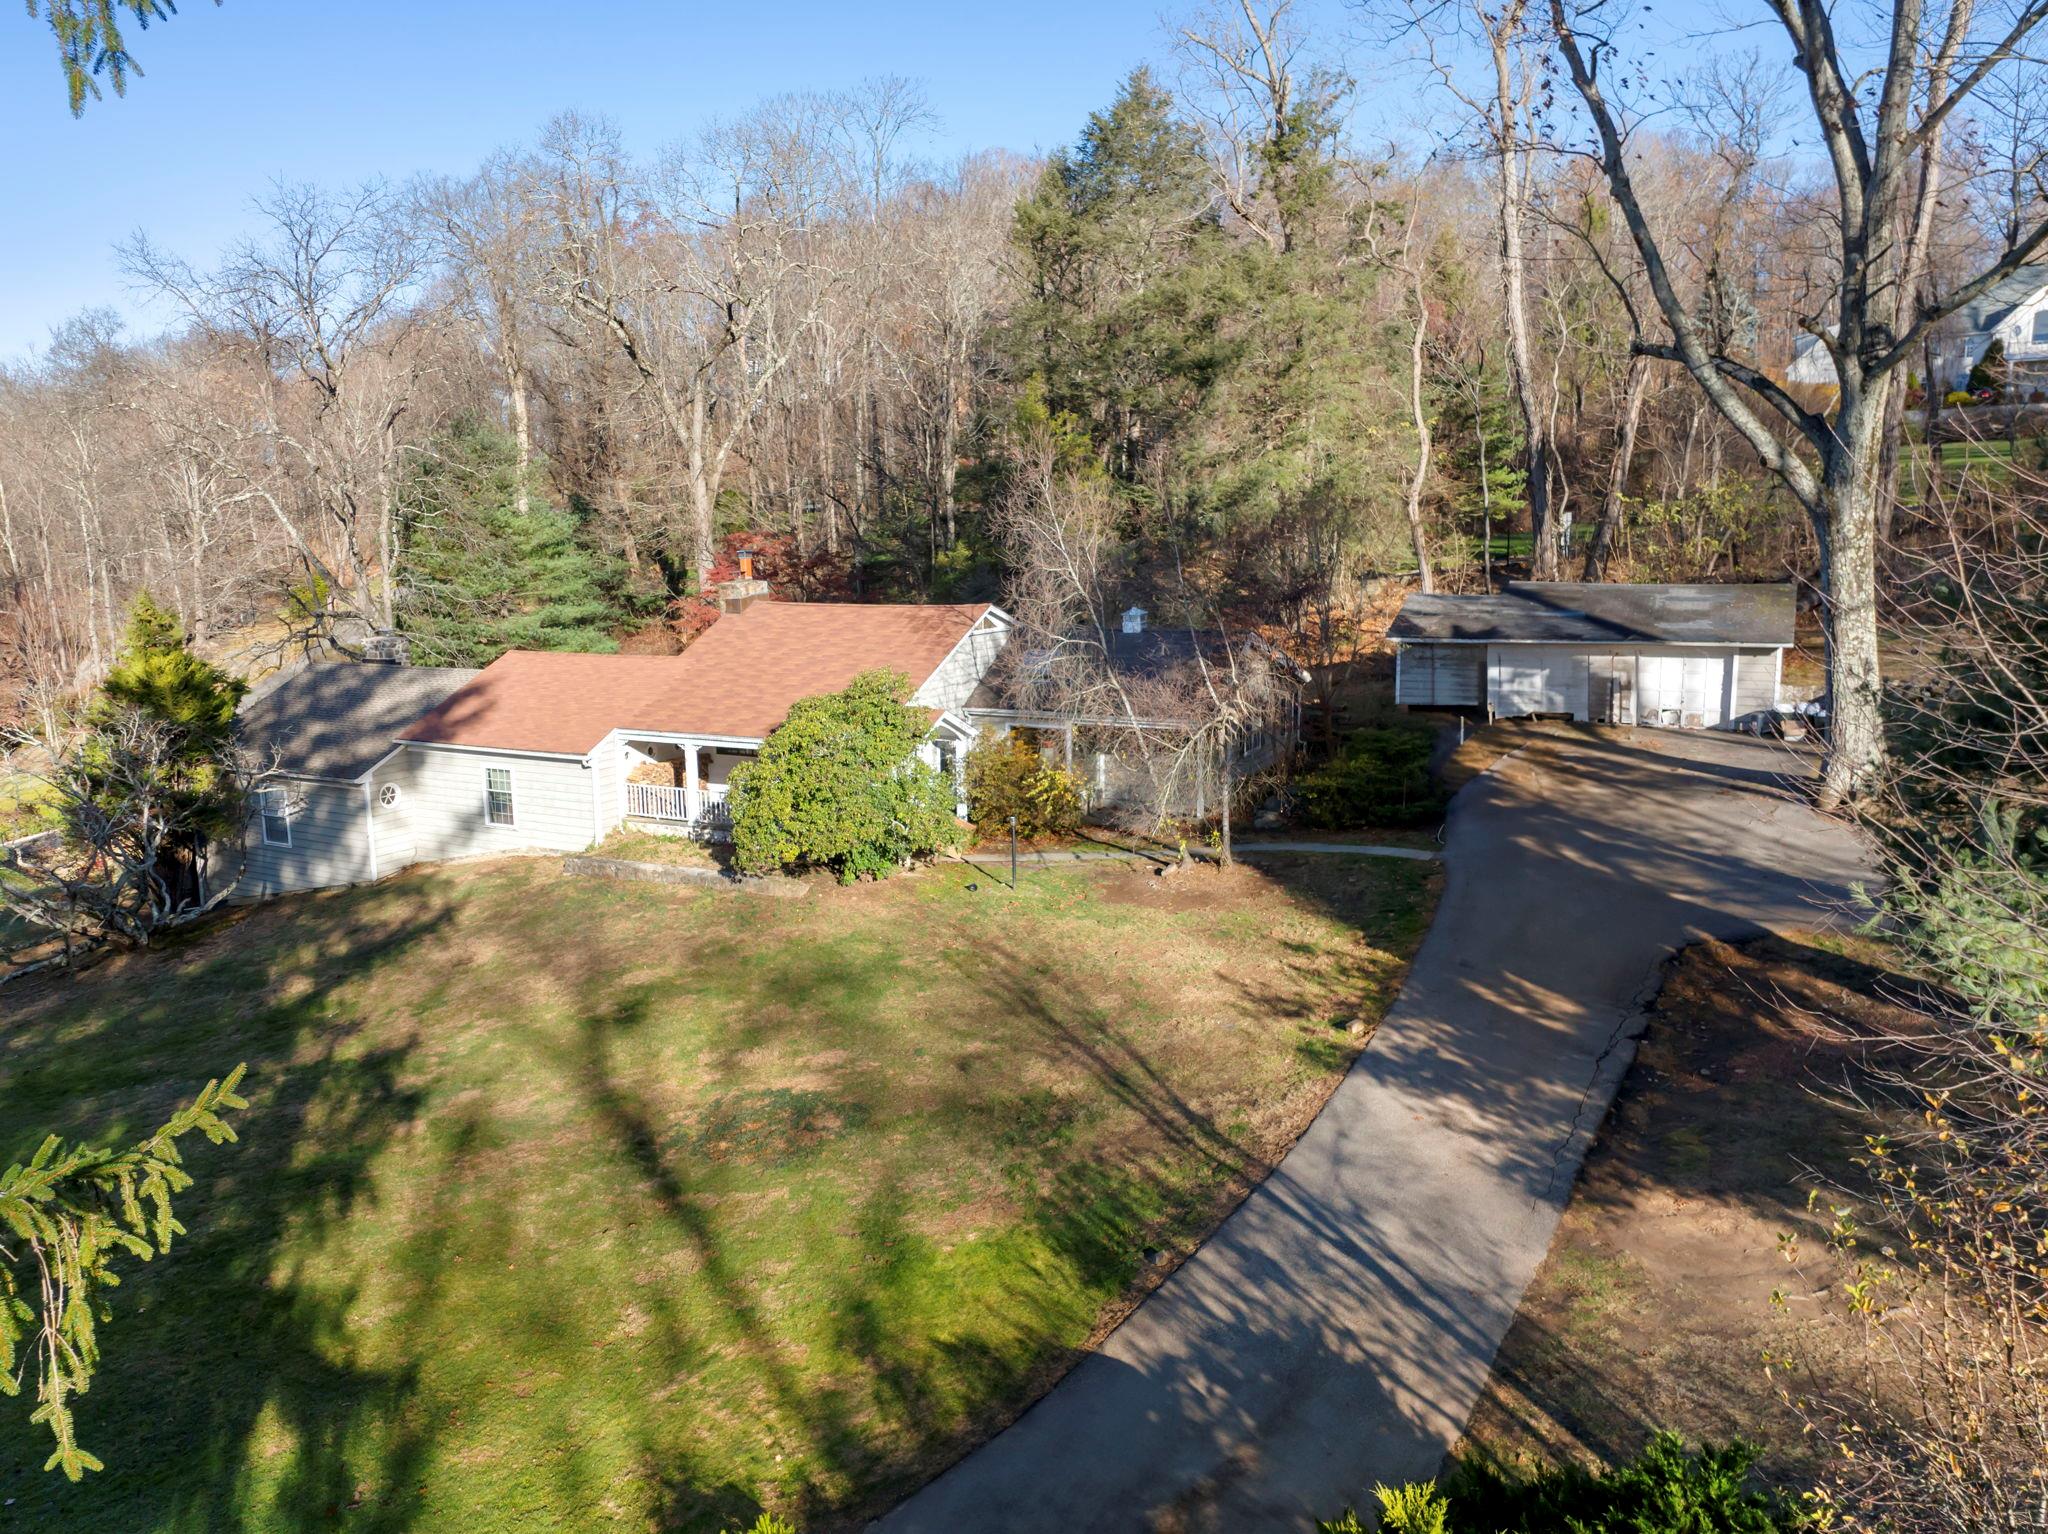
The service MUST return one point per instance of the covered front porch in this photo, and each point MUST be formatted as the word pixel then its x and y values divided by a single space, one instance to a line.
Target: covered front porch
pixel 679 785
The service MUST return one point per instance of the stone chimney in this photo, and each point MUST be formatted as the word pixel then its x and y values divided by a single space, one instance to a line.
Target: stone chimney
pixel 738 596
pixel 388 647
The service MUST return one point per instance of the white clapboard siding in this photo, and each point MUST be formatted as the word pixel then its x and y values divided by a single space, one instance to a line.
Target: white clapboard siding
pixel 1756 682
pixel 608 762
pixel 391 824
pixel 552 803
pixel 1536 679
pixel 328 844
pixel 1441 675
pixel 953 683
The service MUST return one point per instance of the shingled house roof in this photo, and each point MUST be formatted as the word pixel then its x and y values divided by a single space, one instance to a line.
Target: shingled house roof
pixel 336 719
pixel 1589 612
pixel 738 680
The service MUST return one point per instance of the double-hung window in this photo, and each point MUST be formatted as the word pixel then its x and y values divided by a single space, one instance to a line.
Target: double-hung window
pixel 2041 327
pixel 275 810
pixel 498 796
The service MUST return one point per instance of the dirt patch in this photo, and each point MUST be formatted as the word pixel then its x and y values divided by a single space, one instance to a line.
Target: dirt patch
pixel 1654 1308
pixel 1187 887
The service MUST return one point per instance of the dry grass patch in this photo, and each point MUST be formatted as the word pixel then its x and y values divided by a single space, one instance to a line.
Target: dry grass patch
pixel 1654 1307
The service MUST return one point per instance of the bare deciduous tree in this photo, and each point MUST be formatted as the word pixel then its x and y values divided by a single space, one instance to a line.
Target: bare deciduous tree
pixel 1876 139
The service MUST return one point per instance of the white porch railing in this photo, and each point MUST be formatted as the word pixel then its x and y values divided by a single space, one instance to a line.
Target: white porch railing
pixel 716 815
pixel 658 801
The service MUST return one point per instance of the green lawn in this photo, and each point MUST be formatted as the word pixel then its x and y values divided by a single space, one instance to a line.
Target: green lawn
pixel 570 1204
pixel 1988 462
pixel 23 804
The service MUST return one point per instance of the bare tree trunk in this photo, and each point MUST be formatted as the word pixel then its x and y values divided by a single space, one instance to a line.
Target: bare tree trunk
pixel 949 456
pixel 1850 491
pixel 703 509
pixel 1228 854
pixel 1422 436
pixel 522 427
pixel 1509 170
pixel 1602 546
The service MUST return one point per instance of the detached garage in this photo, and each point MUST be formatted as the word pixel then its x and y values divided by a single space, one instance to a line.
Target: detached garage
pixel 1692 657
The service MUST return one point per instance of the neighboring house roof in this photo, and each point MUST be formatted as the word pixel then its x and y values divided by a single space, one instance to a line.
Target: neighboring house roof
pixel 1589 612
pixel 738 680
pixel 336 719
pixel 1152 671
pixel 1988 310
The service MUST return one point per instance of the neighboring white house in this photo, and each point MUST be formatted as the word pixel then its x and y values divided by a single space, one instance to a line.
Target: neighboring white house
pixel 1697 657
pixel 377 766
pixel 2014 311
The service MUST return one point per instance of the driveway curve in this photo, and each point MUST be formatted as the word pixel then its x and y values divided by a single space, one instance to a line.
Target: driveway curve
pixel 1337 1328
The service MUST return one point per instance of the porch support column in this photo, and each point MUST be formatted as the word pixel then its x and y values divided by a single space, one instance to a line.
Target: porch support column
pixel 693 796
pixel 1068 732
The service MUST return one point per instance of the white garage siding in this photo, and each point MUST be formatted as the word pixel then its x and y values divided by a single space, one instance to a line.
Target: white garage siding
pixel 328 847
pixel 1692 687
pixel 552 803
pixel 1537 679
pixel 1440 675
pixel 1757 674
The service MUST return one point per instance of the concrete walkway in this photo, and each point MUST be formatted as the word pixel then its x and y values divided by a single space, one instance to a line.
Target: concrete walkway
pixel 1120 855
pixel 1338 1327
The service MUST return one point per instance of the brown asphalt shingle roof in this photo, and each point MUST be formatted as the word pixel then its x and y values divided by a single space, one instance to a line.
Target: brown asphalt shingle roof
pixel 738 680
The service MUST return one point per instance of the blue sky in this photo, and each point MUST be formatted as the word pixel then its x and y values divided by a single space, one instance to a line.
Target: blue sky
pixel 338 90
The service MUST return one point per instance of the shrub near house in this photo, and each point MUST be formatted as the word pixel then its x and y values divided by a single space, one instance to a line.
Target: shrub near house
pixel 1380 778
pixel 838 785
pixel 1007 776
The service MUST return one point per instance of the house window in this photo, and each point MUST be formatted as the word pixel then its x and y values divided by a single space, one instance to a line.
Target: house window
pixel 276 812
pixel 498 796
pixel 2041 327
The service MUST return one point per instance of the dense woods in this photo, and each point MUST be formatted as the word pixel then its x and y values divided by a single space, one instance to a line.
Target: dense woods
pixel 535 405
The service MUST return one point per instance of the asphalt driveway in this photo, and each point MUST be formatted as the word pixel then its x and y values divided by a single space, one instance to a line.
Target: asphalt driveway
pixel 1337 1329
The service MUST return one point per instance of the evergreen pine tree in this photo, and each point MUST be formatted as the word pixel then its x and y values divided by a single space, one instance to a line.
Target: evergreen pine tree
pixel 68 1214
pixel 90 43
pixel 159 678
pixel 1114 342
pixel 484 577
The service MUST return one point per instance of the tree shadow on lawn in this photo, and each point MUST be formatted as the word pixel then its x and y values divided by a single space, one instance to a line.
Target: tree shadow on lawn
pixel 227 1399
pixel 917 1396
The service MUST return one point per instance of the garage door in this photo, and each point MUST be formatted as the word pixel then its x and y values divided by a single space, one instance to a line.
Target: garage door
pixel 1532 679
pixel 1685 690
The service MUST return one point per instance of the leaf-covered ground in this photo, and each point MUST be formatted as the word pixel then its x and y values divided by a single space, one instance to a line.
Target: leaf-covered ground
pixel 572 1204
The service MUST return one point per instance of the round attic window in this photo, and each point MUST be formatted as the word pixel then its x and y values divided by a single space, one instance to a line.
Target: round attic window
pixel 388 795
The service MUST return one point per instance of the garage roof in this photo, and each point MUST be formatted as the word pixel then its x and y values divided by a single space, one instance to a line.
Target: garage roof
pixel 1595 612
